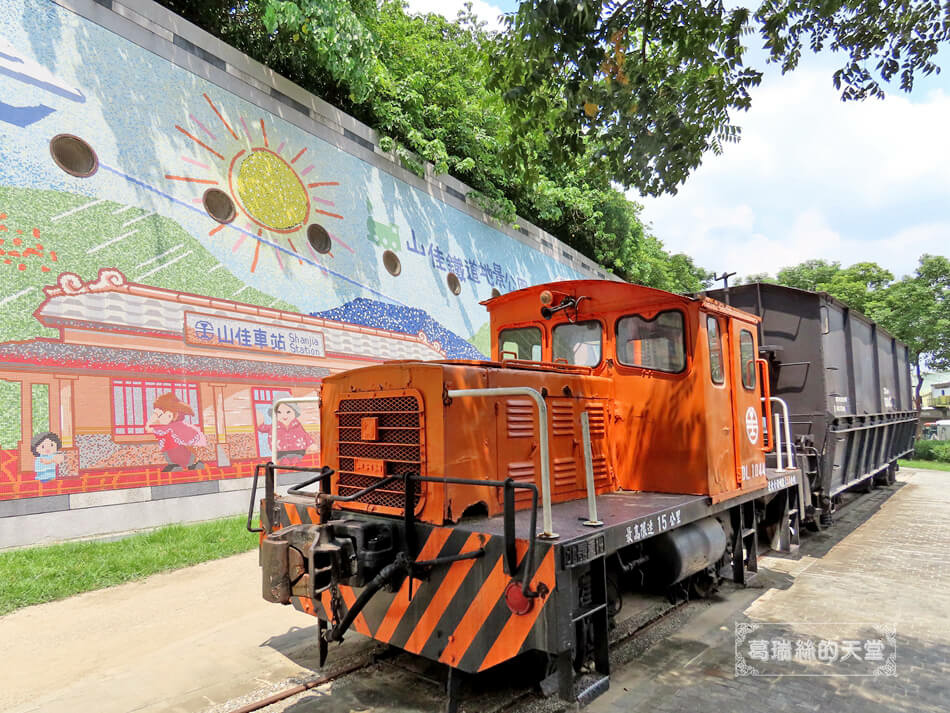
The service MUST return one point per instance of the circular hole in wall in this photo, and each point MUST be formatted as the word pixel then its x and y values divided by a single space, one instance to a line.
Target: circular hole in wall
pixel 391 263
pixel 219 205
pixel 495 292
pixel 73 155
pixel 319 238
pixel 454 284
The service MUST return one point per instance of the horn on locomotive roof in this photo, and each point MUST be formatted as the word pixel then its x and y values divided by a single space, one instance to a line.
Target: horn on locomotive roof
pixel 567 302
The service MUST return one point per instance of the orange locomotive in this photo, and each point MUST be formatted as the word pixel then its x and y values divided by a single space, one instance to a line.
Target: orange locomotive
pixel 632 418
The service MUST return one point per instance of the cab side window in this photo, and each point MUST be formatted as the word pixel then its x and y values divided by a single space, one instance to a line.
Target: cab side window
pixel 657 343
pixel 715 350
pixel 520 343
pixel 747 358
pixel 580 343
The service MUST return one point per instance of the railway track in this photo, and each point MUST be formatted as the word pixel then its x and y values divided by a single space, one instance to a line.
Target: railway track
pixel 490 692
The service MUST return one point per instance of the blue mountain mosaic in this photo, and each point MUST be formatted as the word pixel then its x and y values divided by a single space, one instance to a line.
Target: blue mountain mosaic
pixel 407 320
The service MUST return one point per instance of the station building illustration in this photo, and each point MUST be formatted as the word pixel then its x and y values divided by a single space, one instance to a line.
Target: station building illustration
pixel 125 345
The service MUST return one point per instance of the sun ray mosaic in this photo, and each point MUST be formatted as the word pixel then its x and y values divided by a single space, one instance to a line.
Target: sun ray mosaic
pixel 244 176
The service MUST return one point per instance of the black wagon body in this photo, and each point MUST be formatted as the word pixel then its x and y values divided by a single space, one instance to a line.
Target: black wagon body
pixel 845 379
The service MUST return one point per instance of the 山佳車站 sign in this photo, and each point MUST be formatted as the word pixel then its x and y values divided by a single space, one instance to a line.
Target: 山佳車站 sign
pixel 213 331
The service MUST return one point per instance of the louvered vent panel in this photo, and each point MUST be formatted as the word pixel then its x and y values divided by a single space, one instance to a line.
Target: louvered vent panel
pixel 565 474
pixel 598 420
pixel 523 472
pixel 601 473
pixel 562 418
pixel 520 418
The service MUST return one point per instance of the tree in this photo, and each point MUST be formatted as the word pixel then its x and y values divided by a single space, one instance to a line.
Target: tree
pixel 652 85
pixel 916 310
pixel 809 274
pixel 857 285
pixel 756 277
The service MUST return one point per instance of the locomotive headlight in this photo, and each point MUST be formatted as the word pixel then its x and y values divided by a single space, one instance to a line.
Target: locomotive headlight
pixel 546 298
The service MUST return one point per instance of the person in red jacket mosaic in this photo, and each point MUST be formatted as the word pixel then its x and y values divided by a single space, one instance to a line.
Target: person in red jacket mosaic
pixel 176 438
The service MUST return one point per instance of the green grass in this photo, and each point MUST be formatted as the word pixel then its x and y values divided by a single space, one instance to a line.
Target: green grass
pixel 43 574
pixel 925 464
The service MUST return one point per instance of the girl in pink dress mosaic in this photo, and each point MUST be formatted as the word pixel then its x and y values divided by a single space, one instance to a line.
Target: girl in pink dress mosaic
pixel 292 440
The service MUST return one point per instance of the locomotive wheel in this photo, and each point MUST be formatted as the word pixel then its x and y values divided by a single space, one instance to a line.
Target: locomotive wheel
pixel 892 474
pixel 703 585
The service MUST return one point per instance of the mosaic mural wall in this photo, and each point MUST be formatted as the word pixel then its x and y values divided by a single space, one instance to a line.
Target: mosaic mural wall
pixel 173 259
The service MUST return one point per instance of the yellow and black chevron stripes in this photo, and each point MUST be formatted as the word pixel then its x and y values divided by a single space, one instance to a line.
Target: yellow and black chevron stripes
pixel 457 615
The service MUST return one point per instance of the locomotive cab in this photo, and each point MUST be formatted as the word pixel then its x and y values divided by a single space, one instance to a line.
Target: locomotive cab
pixel 688 402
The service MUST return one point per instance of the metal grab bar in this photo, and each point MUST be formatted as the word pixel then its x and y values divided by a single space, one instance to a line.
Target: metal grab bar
pixel 778 442
pixel 250 507
pixel 547 521
pixel 778 436
pixel 273 418
pixel 511 553
pixel 592 519
pixel 763 368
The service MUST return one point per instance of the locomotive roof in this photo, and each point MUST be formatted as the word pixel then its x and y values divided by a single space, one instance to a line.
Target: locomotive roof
pixel 611 296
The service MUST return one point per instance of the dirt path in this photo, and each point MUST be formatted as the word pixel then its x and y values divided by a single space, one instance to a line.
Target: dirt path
pixel 179 641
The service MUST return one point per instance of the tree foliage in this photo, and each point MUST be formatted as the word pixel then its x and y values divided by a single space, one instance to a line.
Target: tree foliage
pixel 652 85
pixel 809 274
pixel 855 285
pixel 423 83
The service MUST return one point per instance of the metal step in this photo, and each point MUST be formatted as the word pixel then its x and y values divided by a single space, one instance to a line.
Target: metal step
pixel 588 612
pixel 591 686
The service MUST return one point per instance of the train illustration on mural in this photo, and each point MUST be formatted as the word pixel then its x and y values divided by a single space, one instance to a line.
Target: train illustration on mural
pixel 634 422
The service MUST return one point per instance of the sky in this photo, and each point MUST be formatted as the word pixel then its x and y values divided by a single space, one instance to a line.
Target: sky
pixel 812 177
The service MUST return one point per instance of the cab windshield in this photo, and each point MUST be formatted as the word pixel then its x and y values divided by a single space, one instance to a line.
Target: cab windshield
pixel 520 343
pixel 579 343
pixel 656 343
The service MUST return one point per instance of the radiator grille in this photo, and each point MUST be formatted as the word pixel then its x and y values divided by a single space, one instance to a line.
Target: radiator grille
pixel 398 443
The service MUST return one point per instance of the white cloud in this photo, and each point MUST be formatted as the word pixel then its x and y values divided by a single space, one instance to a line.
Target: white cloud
pixel 814 177
pixel 484 11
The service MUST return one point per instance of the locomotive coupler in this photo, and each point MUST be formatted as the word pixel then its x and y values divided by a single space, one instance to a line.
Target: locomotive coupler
pixel 306 560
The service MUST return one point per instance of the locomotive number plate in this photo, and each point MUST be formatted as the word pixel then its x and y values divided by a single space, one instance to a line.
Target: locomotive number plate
pixel 370 466
pixel 581 552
